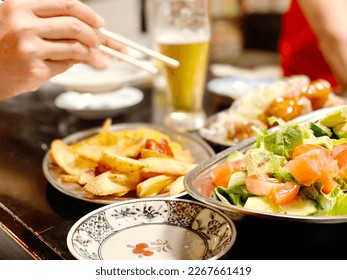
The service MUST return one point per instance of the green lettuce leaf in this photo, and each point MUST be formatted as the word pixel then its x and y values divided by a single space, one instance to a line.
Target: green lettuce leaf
pixel 236 193
pixel 283 141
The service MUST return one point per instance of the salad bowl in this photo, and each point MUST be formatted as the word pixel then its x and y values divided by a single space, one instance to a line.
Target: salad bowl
pixel 200 185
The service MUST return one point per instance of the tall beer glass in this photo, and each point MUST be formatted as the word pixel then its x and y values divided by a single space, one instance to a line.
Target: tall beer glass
pixel 183 33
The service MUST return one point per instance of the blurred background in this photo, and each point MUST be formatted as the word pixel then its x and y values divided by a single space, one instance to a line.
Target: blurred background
pixel 244 32
pixel 244 37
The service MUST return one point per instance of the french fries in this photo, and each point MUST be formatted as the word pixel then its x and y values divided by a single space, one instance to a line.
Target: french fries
pixel 71 162
pixel 166 166
pixel 104 185
pixel 121 163
pixel 176 186
pixel 113 163
pixel 153 186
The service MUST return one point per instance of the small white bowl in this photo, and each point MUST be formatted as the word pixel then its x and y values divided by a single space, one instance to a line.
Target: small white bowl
pixel 101 105
pixel 84 78
pixel 152 229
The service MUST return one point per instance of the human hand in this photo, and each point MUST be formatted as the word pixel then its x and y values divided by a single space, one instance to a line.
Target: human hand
pixel 40 39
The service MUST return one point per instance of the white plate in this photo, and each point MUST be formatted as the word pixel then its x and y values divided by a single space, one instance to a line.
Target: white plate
pixel 199 149
pixel 235 87
pixel 227 70
pixel 152 229
pixel 84 78
pixel 102 105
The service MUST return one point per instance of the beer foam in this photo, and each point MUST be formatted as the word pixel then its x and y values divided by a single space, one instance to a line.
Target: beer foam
pixel 183 37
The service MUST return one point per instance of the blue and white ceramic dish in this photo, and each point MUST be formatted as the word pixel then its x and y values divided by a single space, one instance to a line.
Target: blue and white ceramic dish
pixel 152 229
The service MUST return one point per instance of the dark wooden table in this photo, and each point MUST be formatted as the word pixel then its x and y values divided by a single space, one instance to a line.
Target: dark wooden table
pixel 35 218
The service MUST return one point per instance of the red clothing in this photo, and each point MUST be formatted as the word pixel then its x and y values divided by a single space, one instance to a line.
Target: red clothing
pixel 299 50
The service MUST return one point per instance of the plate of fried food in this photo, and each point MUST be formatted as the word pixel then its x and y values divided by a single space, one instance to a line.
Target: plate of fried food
pixel 118 162
pixel 286 99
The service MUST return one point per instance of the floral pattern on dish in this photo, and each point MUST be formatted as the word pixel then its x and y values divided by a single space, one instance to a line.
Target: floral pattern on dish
pixel 185 224
pixel 144 250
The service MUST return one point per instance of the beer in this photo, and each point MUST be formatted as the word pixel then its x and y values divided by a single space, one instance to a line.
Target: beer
pixel 186 83
pixel 183 33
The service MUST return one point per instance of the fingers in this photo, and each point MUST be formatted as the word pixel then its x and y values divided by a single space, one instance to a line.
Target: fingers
pixel 65 50
pixel 98 59
pixel 42 38
pixel 68 28
pixel 74 8
pixel 32 77
pixel 70 35
pixel 54 67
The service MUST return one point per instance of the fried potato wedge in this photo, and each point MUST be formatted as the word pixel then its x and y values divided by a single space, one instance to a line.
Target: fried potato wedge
pixel 121 163
pixel 168 166
pixel 86 177
pixel 184 155
pixel 153 186
pixel 90 151
pixel 81 179
pixel 71 162
pixel 145 153
pixel 106 125
pixel 177 186
pixel 130 179
pixel 69 178
pixel 104 185
pixel 129 147
pixel 105 139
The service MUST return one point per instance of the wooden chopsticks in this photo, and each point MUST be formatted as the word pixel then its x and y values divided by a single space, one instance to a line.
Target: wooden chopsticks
pixel 165 59
pixel 143 65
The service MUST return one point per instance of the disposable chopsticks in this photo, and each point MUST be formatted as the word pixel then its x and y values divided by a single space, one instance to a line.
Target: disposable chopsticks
pixel 167 60
pixel 145 66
